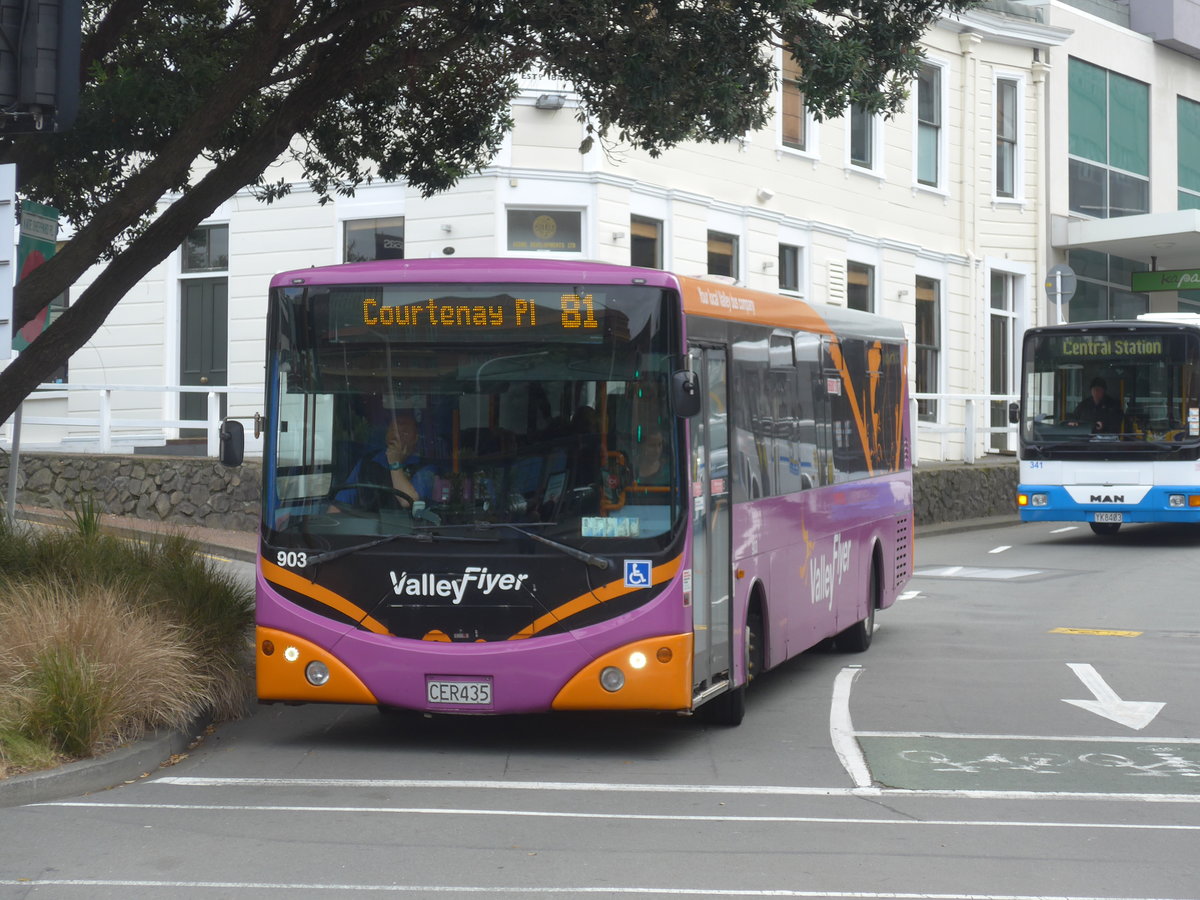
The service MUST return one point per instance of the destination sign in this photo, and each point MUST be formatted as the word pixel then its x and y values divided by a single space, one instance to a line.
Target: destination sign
pixel 575 311
pixel 1091 347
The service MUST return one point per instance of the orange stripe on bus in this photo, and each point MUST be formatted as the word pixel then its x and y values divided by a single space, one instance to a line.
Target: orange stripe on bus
pixel 726 301
pixel 839 362
pixel 321 595
pixel 602 594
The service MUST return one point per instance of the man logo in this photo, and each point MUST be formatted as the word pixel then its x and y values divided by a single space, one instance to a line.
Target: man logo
pixel 1107 498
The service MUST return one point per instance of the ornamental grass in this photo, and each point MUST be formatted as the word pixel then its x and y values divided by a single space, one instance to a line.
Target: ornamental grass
pixel 104 638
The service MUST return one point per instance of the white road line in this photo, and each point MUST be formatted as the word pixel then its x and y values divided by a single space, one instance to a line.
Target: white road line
pixel 841 729
pixel 1001 548
pixel 601 787
pixel 1099 739
pixel 565 890
pixel 909 595
pixel 651 817
pixel 1061 530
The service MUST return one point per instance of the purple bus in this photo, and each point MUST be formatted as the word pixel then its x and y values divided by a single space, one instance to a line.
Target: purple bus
pixel 513 486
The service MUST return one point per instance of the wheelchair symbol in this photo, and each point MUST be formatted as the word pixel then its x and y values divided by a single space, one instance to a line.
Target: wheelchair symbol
pixel 637 573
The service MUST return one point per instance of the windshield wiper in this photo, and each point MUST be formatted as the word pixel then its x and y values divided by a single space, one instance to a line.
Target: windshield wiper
pixel 425 536
pixel 591 559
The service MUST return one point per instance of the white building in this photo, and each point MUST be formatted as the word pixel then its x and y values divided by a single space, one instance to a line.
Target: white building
pixel 945 218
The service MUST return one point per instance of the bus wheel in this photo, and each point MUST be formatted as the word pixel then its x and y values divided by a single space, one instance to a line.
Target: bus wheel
pixel 1105 527
pixel 857 637
pixel 730 708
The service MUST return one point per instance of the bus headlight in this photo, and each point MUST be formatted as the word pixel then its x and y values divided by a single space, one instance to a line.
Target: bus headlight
pixel 612 679
pixel 317 673
pixel 1038 499
pixel 1176 501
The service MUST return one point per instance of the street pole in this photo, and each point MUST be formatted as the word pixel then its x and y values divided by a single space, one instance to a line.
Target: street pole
pixel 14 466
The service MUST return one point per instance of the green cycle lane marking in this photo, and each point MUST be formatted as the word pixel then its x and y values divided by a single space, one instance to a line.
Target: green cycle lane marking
pixel 997 763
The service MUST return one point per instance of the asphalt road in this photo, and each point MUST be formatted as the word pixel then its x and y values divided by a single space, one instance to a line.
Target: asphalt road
pixel 1026 725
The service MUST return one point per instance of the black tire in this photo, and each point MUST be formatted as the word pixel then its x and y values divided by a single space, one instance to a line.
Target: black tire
pixel 857 638
pixel 1105 527
pixel 730 708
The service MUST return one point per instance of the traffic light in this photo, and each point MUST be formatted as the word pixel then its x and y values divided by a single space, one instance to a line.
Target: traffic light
pixel 39 65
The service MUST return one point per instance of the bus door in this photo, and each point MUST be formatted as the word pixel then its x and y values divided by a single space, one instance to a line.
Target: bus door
pixel 711 542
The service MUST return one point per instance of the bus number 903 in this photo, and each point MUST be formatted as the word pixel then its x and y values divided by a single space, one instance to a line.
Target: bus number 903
pixel 290 559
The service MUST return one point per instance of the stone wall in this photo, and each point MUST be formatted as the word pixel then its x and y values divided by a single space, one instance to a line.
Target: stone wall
pixel 944 492
pixel 198 491
pixel 175 489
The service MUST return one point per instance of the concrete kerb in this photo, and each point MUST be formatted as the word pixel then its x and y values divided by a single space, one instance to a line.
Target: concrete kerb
pixel 87 776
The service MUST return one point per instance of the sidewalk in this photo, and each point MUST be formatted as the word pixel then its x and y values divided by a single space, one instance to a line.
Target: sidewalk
pixel 239 545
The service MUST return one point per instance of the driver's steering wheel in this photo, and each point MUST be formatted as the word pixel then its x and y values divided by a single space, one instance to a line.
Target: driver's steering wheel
pixel 360 485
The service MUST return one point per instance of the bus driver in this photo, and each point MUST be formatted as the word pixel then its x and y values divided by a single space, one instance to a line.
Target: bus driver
pixel 1099 410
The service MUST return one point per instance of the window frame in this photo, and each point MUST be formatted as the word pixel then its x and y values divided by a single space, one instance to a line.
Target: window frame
pixel 735 250
pixel 636 222
pixel 794 266
pixel 928 356
pixel 1084 136
pixel 349 223
pixel 873 130
pixel 1017 141
pixel 920 126
pixel 870 270
pixel 807 145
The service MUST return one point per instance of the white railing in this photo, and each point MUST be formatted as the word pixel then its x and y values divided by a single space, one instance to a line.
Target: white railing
pixel 962 425
pixel 963 416
pixel 106 424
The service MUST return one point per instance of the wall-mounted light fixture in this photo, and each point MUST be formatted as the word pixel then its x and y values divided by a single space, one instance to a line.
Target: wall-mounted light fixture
pixel 618 236
pixel 768 265
pixel 550 101
pixel 447 228
pixel 765 194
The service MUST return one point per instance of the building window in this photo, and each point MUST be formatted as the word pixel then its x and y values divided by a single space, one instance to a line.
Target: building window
pixel 789 268
pixel 367 239
pixel 203 322
pixel 1102 290
pixel 1002 346
pixel 1188 118
pixel 722 254
pixel 1007 132
pixel 860 286
pixel 547 230
pixel 1109 142
pixel 792 113
pixel 645 243
pixel 207 249
pixel 862 137
pixel 929 345
pixel 929 125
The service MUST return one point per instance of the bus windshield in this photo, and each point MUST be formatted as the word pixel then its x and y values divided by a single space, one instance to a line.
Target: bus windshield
pixel 1111 388
pixel 432 409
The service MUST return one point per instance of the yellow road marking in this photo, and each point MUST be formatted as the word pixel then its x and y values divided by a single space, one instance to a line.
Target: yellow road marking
pixel 1098 632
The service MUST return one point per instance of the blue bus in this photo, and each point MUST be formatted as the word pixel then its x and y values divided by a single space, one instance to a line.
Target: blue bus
pixel 1109 419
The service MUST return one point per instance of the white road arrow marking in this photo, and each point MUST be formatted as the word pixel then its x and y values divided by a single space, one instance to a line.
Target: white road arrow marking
pixel 1135 714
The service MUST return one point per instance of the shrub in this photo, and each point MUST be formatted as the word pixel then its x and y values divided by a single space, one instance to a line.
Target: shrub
pixel 83 672
pixel 102 638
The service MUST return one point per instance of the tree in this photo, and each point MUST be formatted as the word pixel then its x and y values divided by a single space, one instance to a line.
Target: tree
pixel 193 100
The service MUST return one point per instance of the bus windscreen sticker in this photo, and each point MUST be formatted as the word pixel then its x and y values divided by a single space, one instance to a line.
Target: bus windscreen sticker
pixel 637 573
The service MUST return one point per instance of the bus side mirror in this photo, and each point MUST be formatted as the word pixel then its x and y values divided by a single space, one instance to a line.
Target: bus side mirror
pixel 685 393
pixel 1014 413
pixel 233 442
